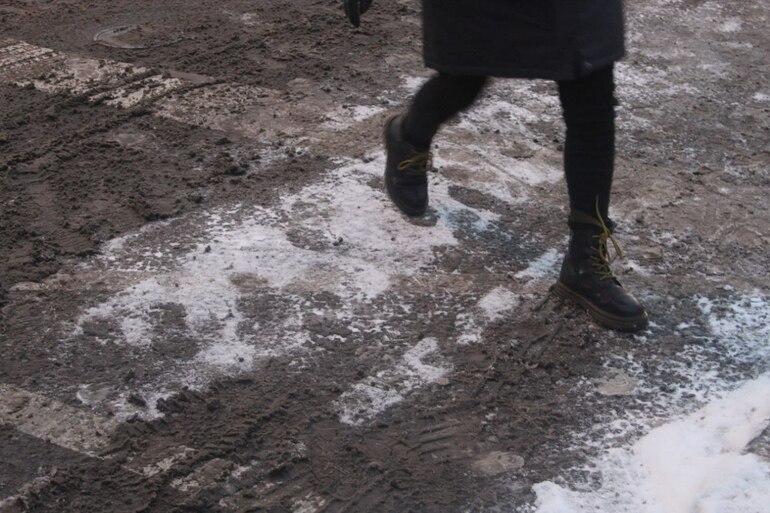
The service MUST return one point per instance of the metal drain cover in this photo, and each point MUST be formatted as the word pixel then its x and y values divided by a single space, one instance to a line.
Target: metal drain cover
pixel 135 37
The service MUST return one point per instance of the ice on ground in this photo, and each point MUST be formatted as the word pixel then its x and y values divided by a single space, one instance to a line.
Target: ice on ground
pixel 310 503
pixel 356 245
pixel 411 84
pixel 616 383
pixel 469 328
pixel 79 75
pixel 730 25
pixel 731 322
pixel 497 302
pixel 339 236
pixel 375 394
pixel 493 306
pixel 697 462
pixel 345 117
pixel 491 171
pixel 54 421
pixel 693 464
pixel 545 265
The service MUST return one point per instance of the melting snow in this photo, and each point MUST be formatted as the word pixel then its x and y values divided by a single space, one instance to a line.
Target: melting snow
pixel 372 396
pixel 497 302
pixel 693 464
pixel 339 236
pixel 697 462
pixel 543 266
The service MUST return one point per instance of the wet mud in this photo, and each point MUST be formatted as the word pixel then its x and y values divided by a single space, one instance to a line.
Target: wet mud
pixel 153 158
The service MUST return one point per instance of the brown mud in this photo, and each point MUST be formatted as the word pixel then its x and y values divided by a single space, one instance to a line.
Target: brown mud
pixel 77 171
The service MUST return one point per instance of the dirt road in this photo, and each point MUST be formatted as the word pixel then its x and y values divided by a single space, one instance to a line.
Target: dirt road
pixel 209 305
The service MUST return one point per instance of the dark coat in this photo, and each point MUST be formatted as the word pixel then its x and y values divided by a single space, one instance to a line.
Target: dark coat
pixel 551 39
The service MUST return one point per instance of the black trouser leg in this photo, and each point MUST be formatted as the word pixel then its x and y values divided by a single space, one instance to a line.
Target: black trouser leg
pixel 589 152
pixel 439 99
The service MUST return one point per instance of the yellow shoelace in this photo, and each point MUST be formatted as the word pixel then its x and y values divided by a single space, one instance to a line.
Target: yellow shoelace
pixel 603 259
pixel 419 162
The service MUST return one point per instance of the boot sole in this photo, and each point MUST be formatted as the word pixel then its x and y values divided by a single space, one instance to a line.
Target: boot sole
pixel 402 208
pixel 409 212
pixel 603 317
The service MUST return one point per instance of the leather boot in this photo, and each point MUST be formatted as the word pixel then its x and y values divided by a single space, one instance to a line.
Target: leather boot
pixel 586 276
pixel 406 171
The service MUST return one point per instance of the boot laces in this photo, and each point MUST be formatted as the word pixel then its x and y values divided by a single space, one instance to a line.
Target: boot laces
pixel 420 162
pixel 603 259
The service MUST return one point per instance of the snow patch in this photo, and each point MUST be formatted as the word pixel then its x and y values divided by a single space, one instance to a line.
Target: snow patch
pixel 310 503
pixel 616 383
pixel 497 302
pixel 731 322
pixel 469 328
pixel 339 236
pixel 543 266
pixel 372 396
pixel 693 464
pixel 128 84
pixel 696 462
pixel 347 116
pixel 492 169
pixel 731 25
pixel 412 84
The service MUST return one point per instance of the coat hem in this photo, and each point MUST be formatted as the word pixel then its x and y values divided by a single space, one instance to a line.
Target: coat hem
pixel 526 73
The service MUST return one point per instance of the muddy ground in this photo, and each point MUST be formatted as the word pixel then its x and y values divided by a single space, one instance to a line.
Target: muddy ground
pixel 208 305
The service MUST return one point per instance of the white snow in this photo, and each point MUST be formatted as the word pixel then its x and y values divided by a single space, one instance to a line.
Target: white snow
pixel 732 323
pixel 493 306
pixel 310 503
pixel 411 84
pixel 376 246
pixel 731 25
pixel 543 266
pixel 375 394
pixel 497 302
pixel 79 75
pixel 339 235
pixel 695 464
pixel 686 463
pixel 345 117
pixel 355 245
pixel 167 463
pixel 469 327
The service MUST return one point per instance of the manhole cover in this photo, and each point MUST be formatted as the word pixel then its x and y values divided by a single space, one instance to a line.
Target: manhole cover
pixel 135 37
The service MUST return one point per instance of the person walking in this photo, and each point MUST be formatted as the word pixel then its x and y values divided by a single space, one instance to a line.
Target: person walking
pixel 573 42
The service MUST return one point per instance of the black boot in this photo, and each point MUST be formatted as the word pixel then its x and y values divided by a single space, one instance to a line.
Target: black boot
pixel 586 277
pixel 406 171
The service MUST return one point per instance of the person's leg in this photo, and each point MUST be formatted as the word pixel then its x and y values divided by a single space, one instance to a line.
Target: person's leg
pixel 408 137
pixel 440 99
pixel 589 155
pixel 588 105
